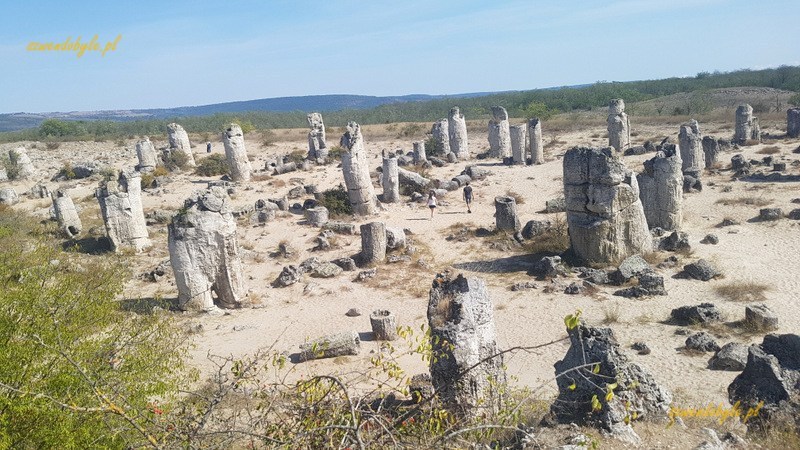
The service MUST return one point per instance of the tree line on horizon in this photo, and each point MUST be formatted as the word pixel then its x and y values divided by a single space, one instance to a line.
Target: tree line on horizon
pixel 542 103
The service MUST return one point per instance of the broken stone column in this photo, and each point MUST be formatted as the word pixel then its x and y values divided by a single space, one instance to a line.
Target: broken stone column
pixel 235 153
pixel 499 133
pixel 744 124
pixel 40 191
pixel 535 138
pixel 793 122
pixel 331 346
pixel 121 207
pixel 441 137
pixel 317 216
pixel 179 141
pixel 619 127
pixel 755 129
pixel 204 253
pixel 517 133
pixel 66 214
pixel 373 243
pixel 355 168
pixel 317 148
pixel 457 129
pixel 604 214
pixel 419 153
pixel 146 152
pixel 691 147
pixel 20 159
pixel 505 216
pixel 711 151
pixel 390 181
pixel 384 325
pixel 661 189
pixel 466 369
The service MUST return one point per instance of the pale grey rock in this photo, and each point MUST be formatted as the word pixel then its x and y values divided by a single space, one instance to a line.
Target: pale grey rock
pixel 535 141
pixel 419 153
pixel 618 125
pixel 235 153
pixel 518 133
pixel 441 137
pixel 711 151
pixel 732 356
pixel 691 147
pixel 121 208
pixel 793 122
pixel 66 214
pixel 317 216
pixel 384 325
pixel 390 181
pixel 179 141
pixel 744 124
pixel 661 189
pixel 457 130
pixel 395 238
pixel 505 216
pixel 413 180
pixel 355 169
pixel 499 134
pixel 373 243
pixel 331 346
pixel 317 147
pixel 760 317
pixel 146 153
pixel 8 196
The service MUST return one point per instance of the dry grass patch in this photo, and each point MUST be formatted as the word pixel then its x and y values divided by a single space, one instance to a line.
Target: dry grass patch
pixel 519 199
pixel 771 150
pixel 743 291
pixel 611 314
pixel 747 201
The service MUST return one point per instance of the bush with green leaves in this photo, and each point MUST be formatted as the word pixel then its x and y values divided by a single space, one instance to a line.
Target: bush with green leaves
pixel 336 201
pixel 11 164
pixel 213 165
pixel 176 160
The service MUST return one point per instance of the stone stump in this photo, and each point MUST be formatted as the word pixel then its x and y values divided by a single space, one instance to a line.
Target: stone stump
pixel 66 214
pixel 384 325
pixel 793 122
pixel 331 346
pixel 457 130
pixel 390 181
pixel 744 124
pixel 419 153
pixel 618 125
pixel 121 207
pixel 204 253
pixel 499 134
pixel 518 143
pixel 317 216
pixel 179 141
pixel 661 189
pixel 711 151
pixel 691 147
pixel 235 153
pixel 355 169
pixel 535 139
pixel 146 153
pixel 441 137
pixel 505 216
pixel 604 214
pixel 373 243
pixel 466 370
pixel 317 147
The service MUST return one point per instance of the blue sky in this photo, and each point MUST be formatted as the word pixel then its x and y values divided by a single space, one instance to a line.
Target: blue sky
pixel 183 53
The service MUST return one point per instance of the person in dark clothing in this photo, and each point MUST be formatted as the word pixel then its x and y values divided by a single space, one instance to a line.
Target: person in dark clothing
pixel 208 147
pixel 468 196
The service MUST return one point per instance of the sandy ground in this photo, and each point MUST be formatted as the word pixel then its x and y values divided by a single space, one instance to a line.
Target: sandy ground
pixel 286 317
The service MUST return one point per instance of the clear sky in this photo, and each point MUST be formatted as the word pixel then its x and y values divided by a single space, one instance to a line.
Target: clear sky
pixel 183 53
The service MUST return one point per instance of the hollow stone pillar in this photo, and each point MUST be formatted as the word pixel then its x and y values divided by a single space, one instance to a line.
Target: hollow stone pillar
pixel 793 122
pixel 66 214
pixel 499 133
pixel 505 216
pixel 317 216
pixel 373 242
pixel 535 139
pixel 179 141
pixel 355 169
pixel 457 129
pixel 121 207
pixel 441 137
pixel 317 148
pixel 146 153
pixel 619 127
pixel 235 153
pixel 517 133
pixel 390 181
pixel 604 214
pixel 204 253
pixel 661 189
pixel 466 370
pixel 691 147
pixel 384 325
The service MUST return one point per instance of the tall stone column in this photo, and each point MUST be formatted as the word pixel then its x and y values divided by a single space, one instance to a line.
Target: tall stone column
pixel 619 127
pixel 441 137
pixel 793 122
pixel 419 153
pixel 146 153
pixel 355 169
pixel 691 147
pixel 204 253
pixel 179 141
pixel 710 151
pixel 518 143
pixel 744 124
pixel 661 189
pixel 317 148
pixel 499 133
pixel 457 128
pixel 390 181
pixel 121 207
pixel 505 216
pixel 235 153
pixel 466 368
pixel 66 214
pixel 535 138
pixel 373 243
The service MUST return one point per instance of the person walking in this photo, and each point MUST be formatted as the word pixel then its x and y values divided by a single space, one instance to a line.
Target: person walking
pixel 468 196
pixel 208 147
pixel 432 202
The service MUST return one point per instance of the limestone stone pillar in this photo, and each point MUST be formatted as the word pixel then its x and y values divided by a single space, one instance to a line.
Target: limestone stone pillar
pixel 147 155
pixel 793 122
pixel 373 243
pixel 535 138
pixel 235 153
pixel 457 127
pixel 121 207
pixel 66 214
pixel 711 151
pixel 179 141
pixel 355 169
pixel 390 181
pixel 505 215
pixel 661 189
pixel 441 137
pixel 691 147
pixel 317 148
pixel 499 133
pixel 419 153
pixel 744 124
pixel 384 325
pixel 619 127
pixel 517 133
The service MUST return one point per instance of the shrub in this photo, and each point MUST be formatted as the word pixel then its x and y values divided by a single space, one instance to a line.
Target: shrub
pixel 214 165
pixel 268 138
pixel 335 153
pixel 67 171
pixel 53 145
pixel 433 148
pixel 176 160
pixel 11 164
pixel 337 202
pixel 297 156
pixel 411 130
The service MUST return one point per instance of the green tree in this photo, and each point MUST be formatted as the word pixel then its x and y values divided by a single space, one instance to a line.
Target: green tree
pixel 794 100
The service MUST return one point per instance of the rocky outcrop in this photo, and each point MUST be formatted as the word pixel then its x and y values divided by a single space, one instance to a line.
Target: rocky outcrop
pixel 355 169
pixel 235 153
pixel 22 163
pixel 661 189
pixel 121 207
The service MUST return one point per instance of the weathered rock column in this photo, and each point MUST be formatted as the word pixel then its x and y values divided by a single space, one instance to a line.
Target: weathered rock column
pixel 317 148
pixel 235 153
pixel 793 122
pixel 441 137
pixel 204 253
pixel 619 127
pixel 146 153
pixel 661 189
pixel 604 214
pixel 419 152
pixel 317 216
pixel 517 133
pixel 457 129
pixel 384 325
pixel 19 157
pixel 535 138
pixel 373 243
pixel 505 215
pixel 179 141
pixel 466 370
pixel 66 214
pixel 691 147
pixel 711 151
pixel 744 124
pixel 121 207
pixel 755 129
pixel 390 181
pixel 499 133
pixel 355 169
pixel 8 196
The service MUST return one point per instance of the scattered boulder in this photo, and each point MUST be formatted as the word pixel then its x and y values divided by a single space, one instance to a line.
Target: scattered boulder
pixel 535 228
pixel 702 342
pixel 557 205
pixel 353 312
pixel 331 346
pixel 347 264
pixel 760 317
pixel 696 314
pixel 675 242
pixel 366 274
pixel 8 196
pixel 288 276
pixel 770 214
pixel 326 270
pixel 701 270
pixel 594 276
pixel 710 239
pixel 547 266
pixel 524 286
pixel 732 356
pixel 632 266
pixel 476 172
